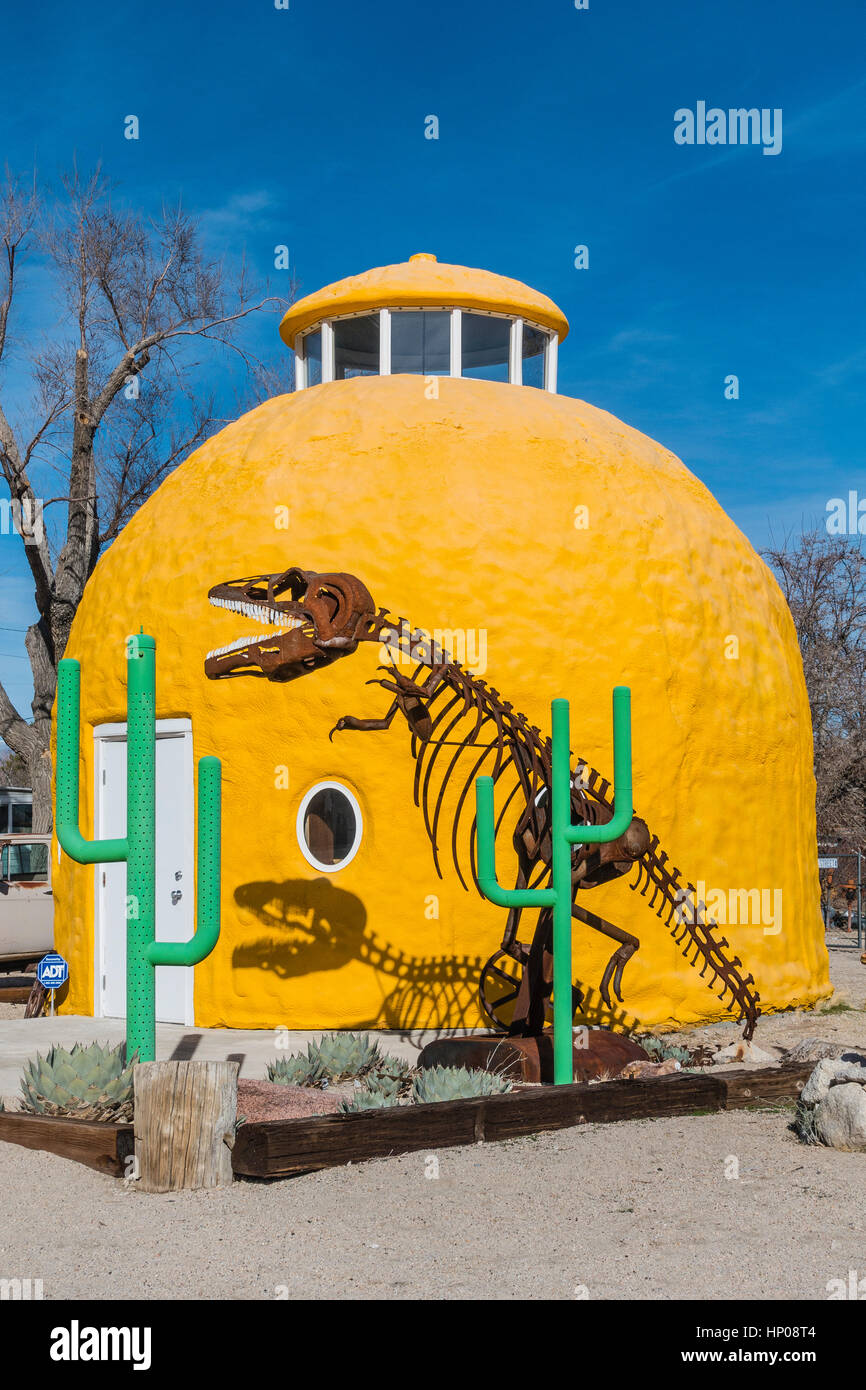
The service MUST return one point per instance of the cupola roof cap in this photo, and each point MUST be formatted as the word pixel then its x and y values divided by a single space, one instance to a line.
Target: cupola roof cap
pixel 423 283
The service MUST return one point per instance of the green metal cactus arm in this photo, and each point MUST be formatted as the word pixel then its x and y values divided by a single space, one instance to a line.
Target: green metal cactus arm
pixel 72 842
pixel 561 778
pixel 623 808
pixel 487 880
pixel 564 834
pixel 207 928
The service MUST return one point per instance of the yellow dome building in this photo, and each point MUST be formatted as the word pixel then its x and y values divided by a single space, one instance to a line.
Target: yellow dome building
pixel 550 548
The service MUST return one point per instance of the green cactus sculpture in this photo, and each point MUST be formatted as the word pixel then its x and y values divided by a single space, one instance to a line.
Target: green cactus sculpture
pixel 564 835
pixel 138 849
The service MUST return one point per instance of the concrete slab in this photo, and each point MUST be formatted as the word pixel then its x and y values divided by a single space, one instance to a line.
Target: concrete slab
pixel 22 1038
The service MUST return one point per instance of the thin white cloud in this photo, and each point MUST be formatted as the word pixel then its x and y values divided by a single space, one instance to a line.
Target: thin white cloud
pixel 240 212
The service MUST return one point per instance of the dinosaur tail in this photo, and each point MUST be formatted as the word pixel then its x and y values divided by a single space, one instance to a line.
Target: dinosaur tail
pixel 692 928
pixel 687 919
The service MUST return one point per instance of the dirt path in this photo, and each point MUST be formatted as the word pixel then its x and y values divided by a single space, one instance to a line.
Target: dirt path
pixel 649 1210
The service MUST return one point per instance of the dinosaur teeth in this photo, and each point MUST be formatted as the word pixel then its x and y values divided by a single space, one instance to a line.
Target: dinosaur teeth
pixel 241 643
pixel 259 613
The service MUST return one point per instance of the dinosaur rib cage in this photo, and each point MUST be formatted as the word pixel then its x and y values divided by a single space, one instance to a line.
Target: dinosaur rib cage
pixel 519 748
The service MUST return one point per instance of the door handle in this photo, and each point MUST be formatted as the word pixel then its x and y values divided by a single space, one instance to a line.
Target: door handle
pixel 176 896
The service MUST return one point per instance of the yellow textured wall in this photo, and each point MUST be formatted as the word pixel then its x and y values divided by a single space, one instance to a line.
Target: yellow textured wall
pixel 459 512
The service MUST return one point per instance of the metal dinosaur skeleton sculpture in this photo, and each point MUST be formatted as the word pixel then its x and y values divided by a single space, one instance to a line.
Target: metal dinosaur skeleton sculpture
pixel 321 617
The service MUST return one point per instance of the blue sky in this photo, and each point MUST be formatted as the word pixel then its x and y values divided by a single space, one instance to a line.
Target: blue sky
pixel 305 126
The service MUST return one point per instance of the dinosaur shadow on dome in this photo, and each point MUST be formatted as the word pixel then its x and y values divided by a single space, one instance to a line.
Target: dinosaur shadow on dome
pixel 314 926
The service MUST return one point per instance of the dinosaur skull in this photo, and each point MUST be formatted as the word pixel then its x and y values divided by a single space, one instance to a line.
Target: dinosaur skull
pixel 314 619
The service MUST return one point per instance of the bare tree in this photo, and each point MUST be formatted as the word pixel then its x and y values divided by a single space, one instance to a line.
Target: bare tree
pixel 114 408
pixel 13 771
pixel 823 578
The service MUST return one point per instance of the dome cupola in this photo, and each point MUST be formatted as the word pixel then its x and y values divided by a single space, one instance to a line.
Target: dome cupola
pixel 426 319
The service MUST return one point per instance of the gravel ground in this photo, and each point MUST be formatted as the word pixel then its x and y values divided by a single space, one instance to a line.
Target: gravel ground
pixel 708 1207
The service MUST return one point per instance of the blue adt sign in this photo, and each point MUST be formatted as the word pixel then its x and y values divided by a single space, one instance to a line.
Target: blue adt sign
pixel 52 971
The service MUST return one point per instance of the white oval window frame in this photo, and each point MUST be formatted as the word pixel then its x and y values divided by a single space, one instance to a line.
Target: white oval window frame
pixel 302 839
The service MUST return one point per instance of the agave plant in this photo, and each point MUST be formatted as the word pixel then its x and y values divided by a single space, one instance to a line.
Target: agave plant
pixel 367 1100
pixel 660 1051
pixel 456 1083
pixel 382 1084
pixel 335 1057
pixel 88 1083
pixel 301 1069
pixel 345 1055
pixel 393 1075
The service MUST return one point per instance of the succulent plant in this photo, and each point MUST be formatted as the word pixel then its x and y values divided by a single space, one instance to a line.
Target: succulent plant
pixel 390 1065
pixel 301 1069
pixel 456 1083
pixel 392 1075
pixel 382 1084
pixel 335 1057
pixel 344 1055
pixel 367 1100
pixel 660 1051
pixel 88 1083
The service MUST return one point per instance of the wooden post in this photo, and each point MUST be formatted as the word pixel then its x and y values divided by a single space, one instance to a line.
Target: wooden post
pixel 184 1120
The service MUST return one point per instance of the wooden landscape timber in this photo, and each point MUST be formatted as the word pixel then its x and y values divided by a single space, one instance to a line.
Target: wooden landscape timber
pixel 96 1144
pixel 283 1148
pixel 279 1148
pixel 14 994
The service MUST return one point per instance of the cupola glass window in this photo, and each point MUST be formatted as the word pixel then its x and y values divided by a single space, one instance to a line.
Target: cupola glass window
pixel 428 342
pixel 421 342
pixel 356 347
pixel 313 358
pixel 534 346
pixel 486 346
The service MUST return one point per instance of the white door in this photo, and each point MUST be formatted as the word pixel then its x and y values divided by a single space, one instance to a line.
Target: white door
pixel 175 885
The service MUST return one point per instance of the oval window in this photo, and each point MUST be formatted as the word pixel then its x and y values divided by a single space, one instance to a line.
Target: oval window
pixel 329 826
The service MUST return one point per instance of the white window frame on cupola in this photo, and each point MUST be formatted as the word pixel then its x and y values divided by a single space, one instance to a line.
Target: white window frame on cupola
pixel 515 353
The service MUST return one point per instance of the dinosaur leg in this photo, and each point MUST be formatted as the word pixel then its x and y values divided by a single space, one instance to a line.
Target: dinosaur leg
pixel 538 975
pixel 618 960
pixel 536 986
pixel 534 992
pixel 498 986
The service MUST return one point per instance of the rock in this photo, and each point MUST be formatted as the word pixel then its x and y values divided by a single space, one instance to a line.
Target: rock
pixel 816 1049
pixel 647 1069
pixel 269 1100
pixel 840 1119
pixel 747 1052
pixel 830 1073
